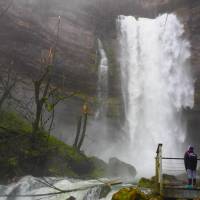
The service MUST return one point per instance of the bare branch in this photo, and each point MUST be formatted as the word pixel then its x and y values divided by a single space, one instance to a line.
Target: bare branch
pixel 6 9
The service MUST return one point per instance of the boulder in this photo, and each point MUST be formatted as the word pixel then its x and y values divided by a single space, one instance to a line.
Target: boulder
pixel 71 198
pixel 129 194
pixel 134 194
pixel 118 168
pixel 147 183
pixel 105 189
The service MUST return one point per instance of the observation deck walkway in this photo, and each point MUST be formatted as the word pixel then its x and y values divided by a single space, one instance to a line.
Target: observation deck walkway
pixel 171 179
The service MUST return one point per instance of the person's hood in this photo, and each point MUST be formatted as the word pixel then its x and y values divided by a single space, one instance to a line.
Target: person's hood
pixel 190 148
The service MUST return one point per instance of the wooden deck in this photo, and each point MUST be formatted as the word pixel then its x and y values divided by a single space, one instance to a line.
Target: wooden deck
pixel 181 192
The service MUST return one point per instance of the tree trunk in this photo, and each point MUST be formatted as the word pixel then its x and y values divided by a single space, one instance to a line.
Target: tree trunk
pixel 36 123
pixel 78 132
pixel 83 131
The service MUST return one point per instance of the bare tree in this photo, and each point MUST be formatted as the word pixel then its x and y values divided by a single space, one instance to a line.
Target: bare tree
pixel 42 86
pixel 42 90
pixel 81 127
pixel 55 96
pixel 46 96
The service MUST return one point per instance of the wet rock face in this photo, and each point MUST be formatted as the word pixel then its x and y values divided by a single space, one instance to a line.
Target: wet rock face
pixel 117 168
pixel 189 14
pixel 30 27
pixel 190 17
pixel 194 28
pixel 28 31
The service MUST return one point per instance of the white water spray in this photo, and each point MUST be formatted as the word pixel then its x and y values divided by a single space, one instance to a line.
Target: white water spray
pixel 156 85
pixel 31 188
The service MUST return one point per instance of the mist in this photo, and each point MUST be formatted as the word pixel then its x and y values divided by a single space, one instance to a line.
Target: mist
pixel 114 123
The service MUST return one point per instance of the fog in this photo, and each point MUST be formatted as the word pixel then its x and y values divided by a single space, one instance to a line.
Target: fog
pixel 83 22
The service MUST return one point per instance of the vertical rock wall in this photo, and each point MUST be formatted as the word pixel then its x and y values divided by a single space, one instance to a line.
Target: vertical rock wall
pixel 190 16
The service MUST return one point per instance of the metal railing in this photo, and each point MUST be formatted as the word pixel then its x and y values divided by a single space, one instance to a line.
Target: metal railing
pixel 173 168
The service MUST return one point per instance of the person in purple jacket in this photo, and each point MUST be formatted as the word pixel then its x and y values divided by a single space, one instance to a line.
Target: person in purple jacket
pixel 190 161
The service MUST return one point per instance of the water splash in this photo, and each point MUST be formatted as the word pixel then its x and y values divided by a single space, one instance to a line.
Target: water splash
pixel 29 187
pixel 156 85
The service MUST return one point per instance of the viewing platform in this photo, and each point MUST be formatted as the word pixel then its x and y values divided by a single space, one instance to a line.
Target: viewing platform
pixel 176 186
pixel 180 192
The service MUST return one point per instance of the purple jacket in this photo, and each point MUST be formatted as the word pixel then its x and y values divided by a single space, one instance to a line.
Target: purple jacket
pixel 190 160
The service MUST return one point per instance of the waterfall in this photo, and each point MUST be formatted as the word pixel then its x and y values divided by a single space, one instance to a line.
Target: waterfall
pixel 156 85
pixel 102 82
pixel 96 140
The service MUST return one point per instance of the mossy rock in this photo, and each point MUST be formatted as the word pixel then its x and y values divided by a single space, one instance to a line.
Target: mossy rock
pixel 12 120
pixel 105 191
pixel 151 183
pixel 100 168
pixel 129 194
pixel 147 183
pixel 134 194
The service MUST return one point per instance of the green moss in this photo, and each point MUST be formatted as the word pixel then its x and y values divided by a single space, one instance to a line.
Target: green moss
pixel 22 153
pixel 129 194
pixel 146 183
pixel 54 170
pixel 134 194
pixel 12 120
pixel 12 162
pixel 100 168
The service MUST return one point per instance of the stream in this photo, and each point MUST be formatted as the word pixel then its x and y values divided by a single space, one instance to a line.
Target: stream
pixel 31 188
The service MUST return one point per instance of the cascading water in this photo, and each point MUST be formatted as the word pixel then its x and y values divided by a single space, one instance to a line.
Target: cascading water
pixel 99 124
pixel 102 82
pixel 156 85
pixel 30 188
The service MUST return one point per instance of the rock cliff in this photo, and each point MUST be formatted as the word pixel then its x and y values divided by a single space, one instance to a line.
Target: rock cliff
pixel 29 28
pixel 190 15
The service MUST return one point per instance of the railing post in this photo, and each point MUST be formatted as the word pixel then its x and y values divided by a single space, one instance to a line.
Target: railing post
pixel 160 170
pixel 159 177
